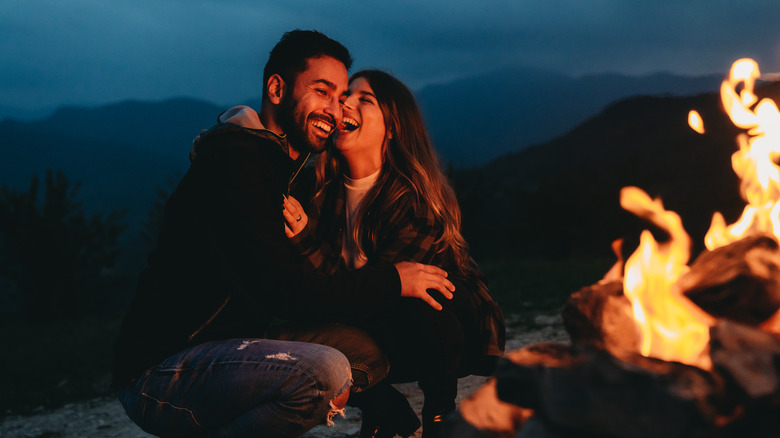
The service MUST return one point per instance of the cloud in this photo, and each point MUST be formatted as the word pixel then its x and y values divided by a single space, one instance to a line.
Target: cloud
pixel 90 51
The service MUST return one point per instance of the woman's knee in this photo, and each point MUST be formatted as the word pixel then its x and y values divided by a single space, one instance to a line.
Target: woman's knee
pixel 368 361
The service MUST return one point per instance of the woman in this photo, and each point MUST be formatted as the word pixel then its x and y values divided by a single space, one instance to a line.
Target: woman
pixel 381 196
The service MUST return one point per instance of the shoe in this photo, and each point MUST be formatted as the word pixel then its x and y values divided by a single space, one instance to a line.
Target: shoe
pixel 433 422
pixel 389 416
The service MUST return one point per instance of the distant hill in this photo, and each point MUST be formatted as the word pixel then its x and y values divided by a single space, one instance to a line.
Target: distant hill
pixel 118 150
pixel 121 153
pixel 475 120
pixel 561 198
pixel 12 112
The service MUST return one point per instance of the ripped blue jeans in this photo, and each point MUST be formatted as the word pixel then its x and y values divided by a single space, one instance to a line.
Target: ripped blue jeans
pixel 239 387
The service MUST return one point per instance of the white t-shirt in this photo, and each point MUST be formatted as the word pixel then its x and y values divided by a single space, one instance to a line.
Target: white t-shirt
pixel 356 190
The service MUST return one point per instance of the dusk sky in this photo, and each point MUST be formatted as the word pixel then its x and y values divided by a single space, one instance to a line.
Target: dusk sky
pixel 89 52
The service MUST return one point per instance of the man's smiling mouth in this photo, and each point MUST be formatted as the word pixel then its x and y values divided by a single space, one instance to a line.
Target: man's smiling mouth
pixel 324 126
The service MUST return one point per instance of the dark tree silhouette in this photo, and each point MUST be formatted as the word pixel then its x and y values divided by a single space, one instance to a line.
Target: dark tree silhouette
pixel 56 256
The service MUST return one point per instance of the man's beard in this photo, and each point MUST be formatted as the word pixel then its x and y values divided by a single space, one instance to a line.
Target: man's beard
pixel 296 125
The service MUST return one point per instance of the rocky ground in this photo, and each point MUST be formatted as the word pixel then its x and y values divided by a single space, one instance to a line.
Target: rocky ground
pixel 104 417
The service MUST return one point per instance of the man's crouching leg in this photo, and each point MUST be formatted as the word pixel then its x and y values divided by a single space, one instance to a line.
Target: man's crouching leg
pixel 241 387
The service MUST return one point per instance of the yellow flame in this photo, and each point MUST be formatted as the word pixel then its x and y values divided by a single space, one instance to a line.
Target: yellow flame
pixel 754 162
pixel 695 121
pixel 671 327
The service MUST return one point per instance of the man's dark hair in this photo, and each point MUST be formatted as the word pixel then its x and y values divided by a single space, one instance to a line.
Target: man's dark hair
pixel 289 56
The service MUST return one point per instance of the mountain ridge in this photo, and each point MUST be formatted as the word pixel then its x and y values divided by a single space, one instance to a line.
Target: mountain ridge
pixel 561 198
pixel 529 106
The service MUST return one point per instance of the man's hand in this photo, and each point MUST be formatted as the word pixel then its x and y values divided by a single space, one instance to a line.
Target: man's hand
pixel 417 278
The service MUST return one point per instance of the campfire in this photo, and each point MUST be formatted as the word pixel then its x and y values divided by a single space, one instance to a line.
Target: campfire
pixel 660 347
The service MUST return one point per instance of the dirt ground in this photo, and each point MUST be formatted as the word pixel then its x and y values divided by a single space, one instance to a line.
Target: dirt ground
pixel 104 417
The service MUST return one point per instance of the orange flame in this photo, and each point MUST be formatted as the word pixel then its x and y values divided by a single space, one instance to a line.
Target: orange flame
pixel 672 328
pixel 754 162
pixel 695 121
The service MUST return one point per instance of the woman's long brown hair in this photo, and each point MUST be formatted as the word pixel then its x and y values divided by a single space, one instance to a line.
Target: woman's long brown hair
pixel 409 165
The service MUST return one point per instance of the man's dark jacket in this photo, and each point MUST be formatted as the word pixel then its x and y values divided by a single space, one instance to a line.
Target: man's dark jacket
pixel 223 267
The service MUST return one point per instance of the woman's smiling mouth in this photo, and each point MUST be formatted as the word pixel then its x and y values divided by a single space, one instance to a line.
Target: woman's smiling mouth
pixel 348 124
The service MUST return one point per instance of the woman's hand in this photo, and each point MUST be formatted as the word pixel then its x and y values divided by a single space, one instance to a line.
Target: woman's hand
pixel 295 218
pixel 417 278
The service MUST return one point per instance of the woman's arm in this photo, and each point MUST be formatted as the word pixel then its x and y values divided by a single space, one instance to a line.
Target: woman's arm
pixel 409 233
pixel 322 256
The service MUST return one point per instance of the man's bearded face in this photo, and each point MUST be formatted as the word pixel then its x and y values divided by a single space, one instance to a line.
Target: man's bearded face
pixel 299 125
pixel 309 111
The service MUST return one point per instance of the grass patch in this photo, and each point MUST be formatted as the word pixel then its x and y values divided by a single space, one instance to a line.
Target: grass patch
pixel 51 364
pixel 532 286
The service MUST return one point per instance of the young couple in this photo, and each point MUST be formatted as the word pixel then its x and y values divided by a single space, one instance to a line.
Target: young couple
pixel 249 322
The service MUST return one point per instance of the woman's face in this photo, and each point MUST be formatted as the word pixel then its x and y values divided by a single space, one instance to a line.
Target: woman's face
pixel 362 130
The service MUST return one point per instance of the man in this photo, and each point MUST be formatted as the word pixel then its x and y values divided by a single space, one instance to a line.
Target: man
pixel 198 353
